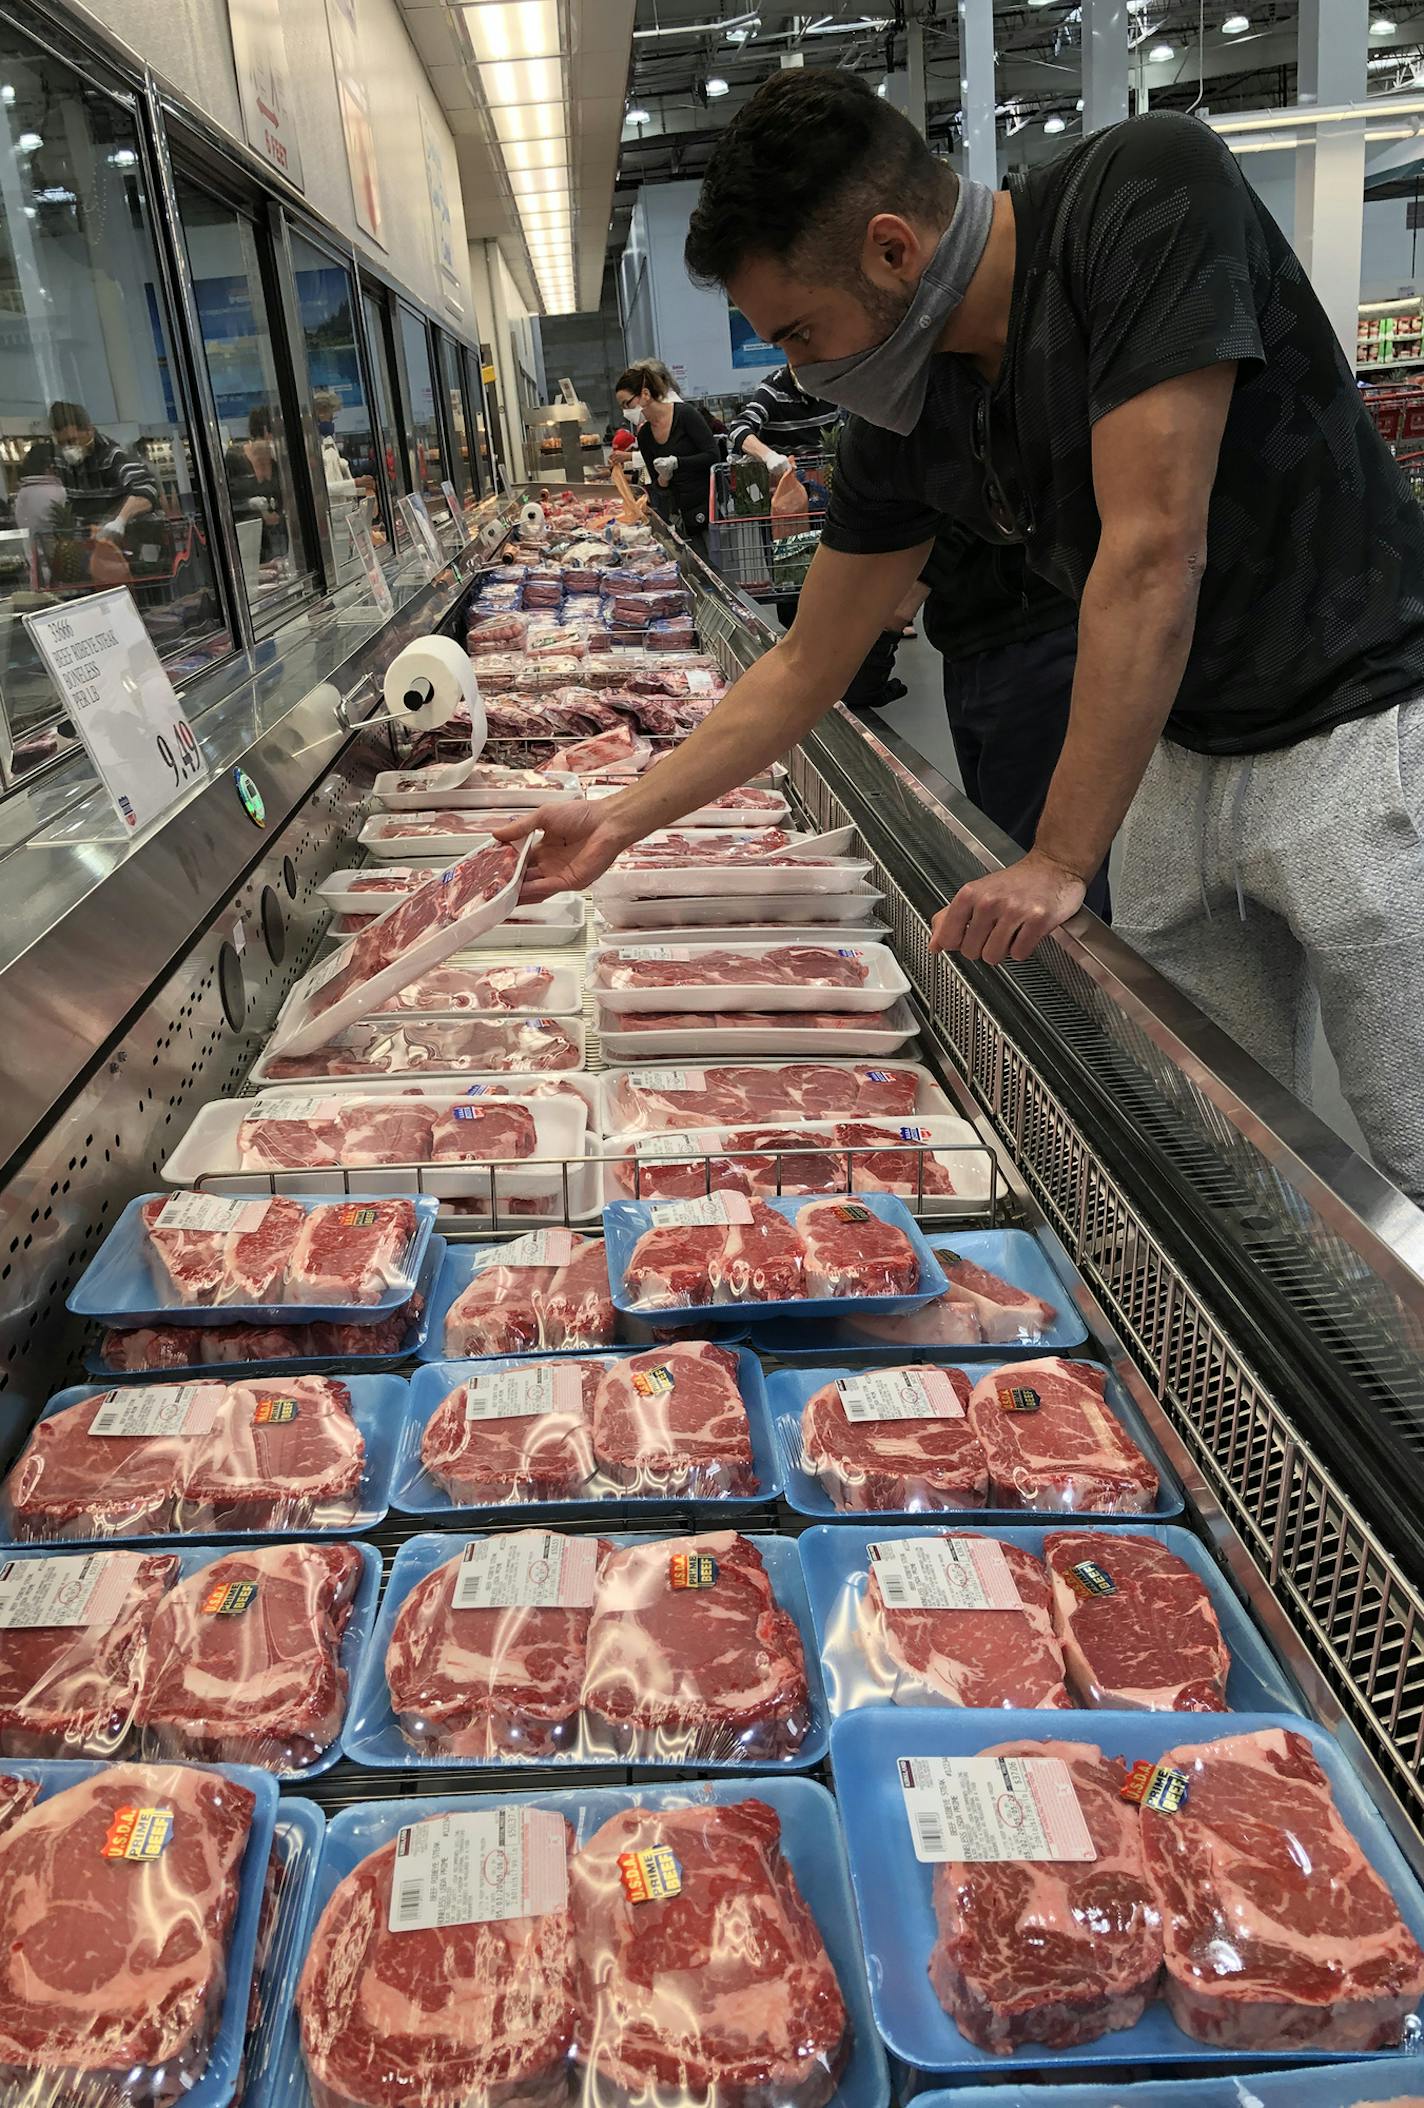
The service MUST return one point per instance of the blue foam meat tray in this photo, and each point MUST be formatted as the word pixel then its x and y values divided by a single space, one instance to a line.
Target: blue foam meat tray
pixel 893 1888
pixel 119 1286
pixel 219 2076
pixel 1014 1255
pixel 378 1405
pixel 1376 2080
pixel 624 1222
pixel 415 1337
pixel 414 1492
pixel 810 1838
pixel 299 1836
pixel 372 1736
pixel 835 1562
pixel 789 1389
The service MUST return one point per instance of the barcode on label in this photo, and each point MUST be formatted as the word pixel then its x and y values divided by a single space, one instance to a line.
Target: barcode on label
pixel 408 1902
pixel 893 1589
pixel 931 1832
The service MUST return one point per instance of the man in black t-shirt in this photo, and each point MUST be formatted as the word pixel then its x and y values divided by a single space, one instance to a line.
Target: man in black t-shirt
pixel 1118 361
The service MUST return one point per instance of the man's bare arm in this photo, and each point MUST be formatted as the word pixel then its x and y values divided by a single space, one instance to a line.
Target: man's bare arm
pixel 845 603
pixel 1154 463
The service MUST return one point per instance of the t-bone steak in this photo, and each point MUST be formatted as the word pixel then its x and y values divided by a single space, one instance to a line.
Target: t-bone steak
pixel 542 1456
pixel 704 1672
pixel 722 1993
pixel 485 1683
pixel 851 1252
pixel 113 1970
pixel 1053 1441
pixel 434 2019
pixel 1053 1952
pixel 894 1465
pixel 968 1657
pixel 673 1421
pixel 1279 1935
pixel 244 1659
pixel 69 1690
pixel 1150 1642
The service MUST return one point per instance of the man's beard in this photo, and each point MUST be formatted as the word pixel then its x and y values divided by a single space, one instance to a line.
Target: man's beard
pixel 887 309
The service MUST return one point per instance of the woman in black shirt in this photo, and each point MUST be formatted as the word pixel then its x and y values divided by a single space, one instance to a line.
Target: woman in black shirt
pixel 677 445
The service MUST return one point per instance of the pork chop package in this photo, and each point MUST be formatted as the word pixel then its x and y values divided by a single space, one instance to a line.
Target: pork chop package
pixel 250 1655
pixel 130 1902
pixel 936 1164
pixel 610 1962
pixel 211 1259
pixel 272 1456
pixel 686 1421
pixel 539 1648
pixel 546 1291
pixel 452 908
pixel 952 1617
pixel 450 1046
pixel 1148 1890
pixel 660 1100
pixel 905 1438
pixel 1004 1293
pixel 636 977
pixel 690 1258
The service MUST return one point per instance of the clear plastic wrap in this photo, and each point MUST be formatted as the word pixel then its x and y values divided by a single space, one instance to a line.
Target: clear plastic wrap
pixel 938 1164
pixel 530 1647
pixel 538 985
pixel 729 1035
pixel 547 1290
pixel 892 1630
pixel 732 917
pixel 620 751
pixel 478 785
pixel 130 1897
pixel 631 977
pixel 273 1456
pixel 72 1648
pixel 659 1999
pixel 683 1421
pixel 659 1100
pixel 695 1256
pixel 1052 1440
pixel 210 1259
pixel 250 1656
pixel 434 1046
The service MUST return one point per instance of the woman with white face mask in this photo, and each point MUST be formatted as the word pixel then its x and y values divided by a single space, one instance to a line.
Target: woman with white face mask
pixel 677 447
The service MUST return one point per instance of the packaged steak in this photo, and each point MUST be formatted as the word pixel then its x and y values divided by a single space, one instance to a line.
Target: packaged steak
pixel 72 1644
pixel 546 1291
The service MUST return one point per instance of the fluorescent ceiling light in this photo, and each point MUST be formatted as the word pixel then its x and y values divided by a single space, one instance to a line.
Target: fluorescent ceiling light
pixel 1054 124
pixel 638 116
pixel 744 30
pixel 716 86
pixel 539 182
pixel 1376 109
pixel 522 80
pixel 1283 142
pixel 529 121
pixel 29 142
pixel 1382 26
pixel 1235 25
pixel 535 153
pixel 123 157
pixel 514 29
pixel 1160 53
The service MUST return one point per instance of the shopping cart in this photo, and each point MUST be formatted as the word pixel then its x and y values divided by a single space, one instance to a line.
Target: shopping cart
pixel 766 553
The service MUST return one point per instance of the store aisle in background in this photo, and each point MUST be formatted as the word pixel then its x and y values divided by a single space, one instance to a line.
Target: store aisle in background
pixel 919 718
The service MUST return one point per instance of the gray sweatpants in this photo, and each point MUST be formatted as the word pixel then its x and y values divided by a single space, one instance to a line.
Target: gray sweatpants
pixel 1261 883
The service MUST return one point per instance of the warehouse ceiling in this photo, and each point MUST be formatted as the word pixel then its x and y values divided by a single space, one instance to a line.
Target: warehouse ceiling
pixel 534 92
pixel 683 51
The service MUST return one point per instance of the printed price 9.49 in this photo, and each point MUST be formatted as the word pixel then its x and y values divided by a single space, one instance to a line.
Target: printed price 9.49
pixel 179 751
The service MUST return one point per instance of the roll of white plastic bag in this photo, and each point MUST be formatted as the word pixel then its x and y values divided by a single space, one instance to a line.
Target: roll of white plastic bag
pixel 533 522
pixel 429 682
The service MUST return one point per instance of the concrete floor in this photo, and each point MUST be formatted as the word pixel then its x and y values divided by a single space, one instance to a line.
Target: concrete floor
pixel 920 719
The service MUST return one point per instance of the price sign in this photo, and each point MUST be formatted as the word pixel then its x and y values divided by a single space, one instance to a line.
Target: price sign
pixel 457 510
pixel 422 531
pixel 371 564
pixel 121 702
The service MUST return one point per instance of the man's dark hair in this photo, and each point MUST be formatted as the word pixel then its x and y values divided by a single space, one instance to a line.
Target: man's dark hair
pixel 800 170
pixel 62 414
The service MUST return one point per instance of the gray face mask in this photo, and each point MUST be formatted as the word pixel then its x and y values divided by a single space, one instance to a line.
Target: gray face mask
pixel 886 385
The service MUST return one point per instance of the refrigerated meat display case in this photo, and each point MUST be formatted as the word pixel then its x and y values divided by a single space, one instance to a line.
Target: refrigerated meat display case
pixel 1254 1285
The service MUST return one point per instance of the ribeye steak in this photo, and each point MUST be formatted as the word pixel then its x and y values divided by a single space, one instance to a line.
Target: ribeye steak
pixel 673 1421
pixel 69 1690
pixel 1152 1642
pixel 1053 1441
pixel 894 1465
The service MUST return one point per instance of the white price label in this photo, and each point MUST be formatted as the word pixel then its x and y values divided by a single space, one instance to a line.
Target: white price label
pixel 699 680
pixel 993 1808
pixel 472 1869
pixel 239 936
pixel 210 1211
pixel 537 1248
pixel 121 703
pixel 647 951
pixel 86 1589
pixel 370 562
pixel 667 1080
pixel 312 1107
pixel 698 1142
pixel 524 1394
pixel 529 1567
pixel 899 1394
pixel 327 971
pixel 422 531
pixel 159 1409
pixel 944 1573
pixel 713 1208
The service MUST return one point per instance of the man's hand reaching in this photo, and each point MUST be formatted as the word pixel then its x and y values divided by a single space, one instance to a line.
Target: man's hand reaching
pixel 579 839
pixel 1008 913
